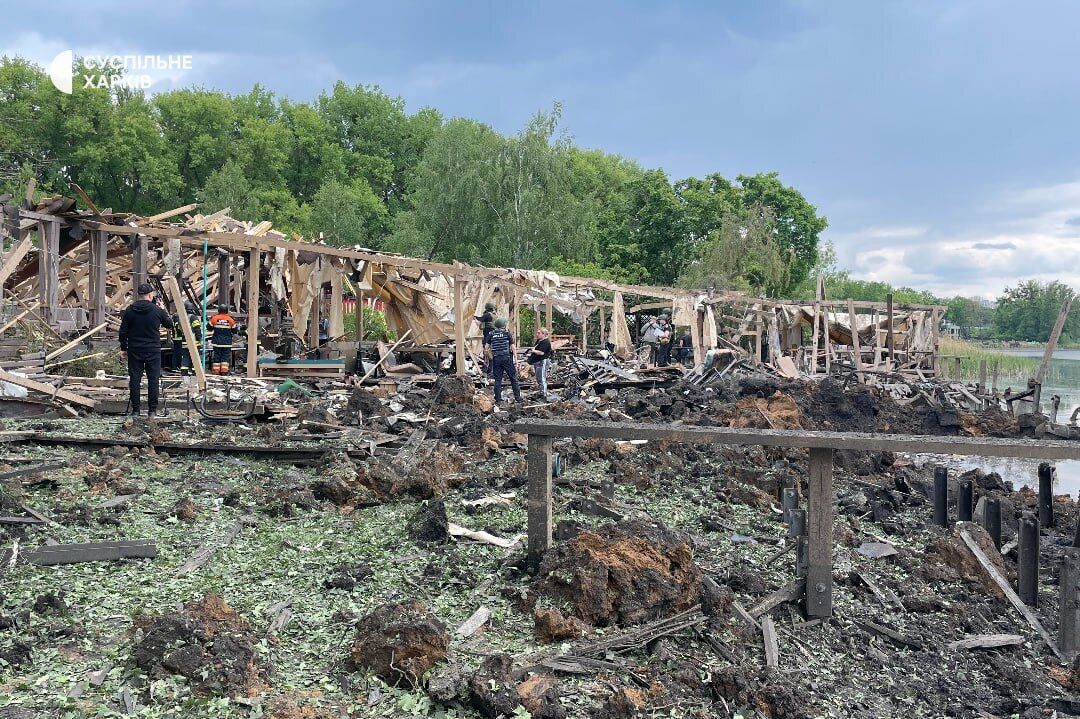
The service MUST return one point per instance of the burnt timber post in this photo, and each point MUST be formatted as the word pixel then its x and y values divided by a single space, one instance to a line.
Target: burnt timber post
pixel 539 500
pixel 820 511
pixel 138 263
pixel 99 242
pixel 1069 628
pixel 1046 494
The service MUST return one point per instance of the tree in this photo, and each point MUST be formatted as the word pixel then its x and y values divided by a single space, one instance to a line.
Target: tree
pixel 347 215
pixel 745 253
pixel 1029 310
pixel 797 222
pixel 229 187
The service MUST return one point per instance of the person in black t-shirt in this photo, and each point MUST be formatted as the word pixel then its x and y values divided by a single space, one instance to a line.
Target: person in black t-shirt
pixel 684 345
pixel 487 324
pixel 539 357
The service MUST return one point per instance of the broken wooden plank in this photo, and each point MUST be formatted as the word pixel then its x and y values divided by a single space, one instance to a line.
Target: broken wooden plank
pixel 1007 590
pixel 205 551
pixel 33 469
pixel 47 389
pixel 473 623
pixel 787 593
pixel 75 342
pixel 888 633
pixel 772 645
pixel 987 641
pixel 86 552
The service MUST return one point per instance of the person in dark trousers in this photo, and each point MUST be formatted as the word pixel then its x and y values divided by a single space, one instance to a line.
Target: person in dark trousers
pixel 684 346
pixel 487 324
pixel 140 346
pixel 222 326
pixel 663 350
pixel 181 360
pixel 499 347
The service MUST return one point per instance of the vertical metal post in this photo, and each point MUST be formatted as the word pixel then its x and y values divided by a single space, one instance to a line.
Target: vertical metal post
pixel 941 496
pixel 539 499
pixel 802 556
pixel 1046 494
pixel 797 523
pixel 1028 559
pixel 820 512
pixel 1069 627
pixel 993 520
pixel 965 499
pixel 789 500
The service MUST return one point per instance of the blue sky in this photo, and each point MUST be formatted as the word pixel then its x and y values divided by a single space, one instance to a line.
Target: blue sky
pixel 941 139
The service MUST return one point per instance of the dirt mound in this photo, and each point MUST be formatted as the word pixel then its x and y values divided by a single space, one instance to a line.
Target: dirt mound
pixel 492 691
pixel 551 625
pixel 430 523
pixel 776 412
pixel 449 390
pixel 400 642
pixel 363 405
pixel 990 422
pixel 949 559
pixel 207 642
pixel 624 573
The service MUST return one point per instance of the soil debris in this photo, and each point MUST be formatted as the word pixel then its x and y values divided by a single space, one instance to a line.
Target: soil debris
pixel 400 642
pixel 207 642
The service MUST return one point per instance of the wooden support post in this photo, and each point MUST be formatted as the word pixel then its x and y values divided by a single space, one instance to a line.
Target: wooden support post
pixel 550 318
pixel 1069 627
pixel 49 270
pixel 941 496
pixel 515 317
pixel 254 260
pixel 359 316
pixel 539 499
pixel 459 327
pixel 185 326
pixel 813 351
pixel 314 317
pixel 982 376
pixel 819 579
pixel 855 348
pixel 965 498
pixel 992 519
pixel 223 278
pixel 1055 335
pixel 1047 473
pixel 890 339
pixel 935 329
pixel 98 258
pixel 1027 554
pixel 138 263
pixel 994 376
pixel 957 374
pixel 603 329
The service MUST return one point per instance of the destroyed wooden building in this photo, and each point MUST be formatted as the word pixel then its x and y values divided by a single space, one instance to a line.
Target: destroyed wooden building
pixel 74 268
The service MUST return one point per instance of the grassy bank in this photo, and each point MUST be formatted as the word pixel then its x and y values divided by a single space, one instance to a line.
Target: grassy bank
pixel 1009 365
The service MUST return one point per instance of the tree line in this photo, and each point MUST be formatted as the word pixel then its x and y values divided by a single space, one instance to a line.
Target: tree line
pixel 356 167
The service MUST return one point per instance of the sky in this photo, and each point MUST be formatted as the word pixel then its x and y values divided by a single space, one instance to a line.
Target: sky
pixel 940 139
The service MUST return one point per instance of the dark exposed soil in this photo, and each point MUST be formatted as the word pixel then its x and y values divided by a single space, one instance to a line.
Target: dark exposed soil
pixel 399 642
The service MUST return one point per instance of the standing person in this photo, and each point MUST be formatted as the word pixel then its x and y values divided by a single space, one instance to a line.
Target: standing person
pixel 650 335
pixel 181 360
pixel 500 349
pixel 140 346
pixel 538 358
pixel 487 324
pixel 663 342
pixel 683 346
pixel 222 326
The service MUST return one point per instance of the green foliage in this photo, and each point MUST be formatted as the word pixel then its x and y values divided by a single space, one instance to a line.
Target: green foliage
pixel 356 167
pixel 1029 310
pixel 375 328
pixel 745 254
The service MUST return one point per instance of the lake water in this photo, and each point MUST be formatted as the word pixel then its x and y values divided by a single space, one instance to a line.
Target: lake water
pixel 1063 379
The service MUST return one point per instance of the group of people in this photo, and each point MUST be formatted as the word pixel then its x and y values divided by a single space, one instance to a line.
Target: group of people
pixel 140 343
pixel 659 335
pixel 500 351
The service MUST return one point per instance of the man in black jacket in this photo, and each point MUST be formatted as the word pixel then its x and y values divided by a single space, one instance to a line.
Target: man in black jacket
pixel 140 345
